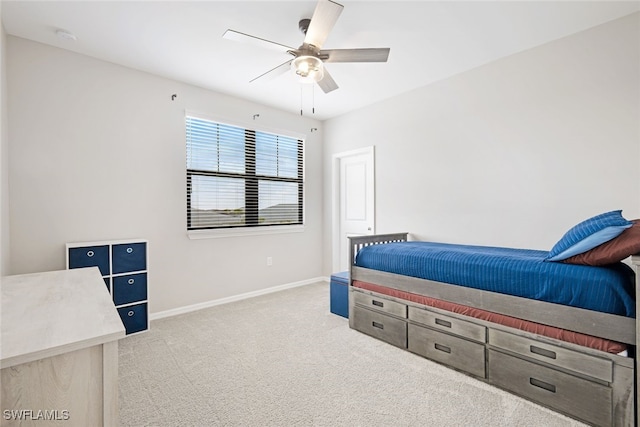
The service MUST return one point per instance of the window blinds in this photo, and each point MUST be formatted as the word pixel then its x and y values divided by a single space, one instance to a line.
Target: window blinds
pixel 240 177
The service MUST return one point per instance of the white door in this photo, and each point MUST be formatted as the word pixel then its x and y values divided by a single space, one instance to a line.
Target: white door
pixel 356 207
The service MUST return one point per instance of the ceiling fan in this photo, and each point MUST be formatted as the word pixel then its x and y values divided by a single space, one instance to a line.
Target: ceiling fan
pixel 309 58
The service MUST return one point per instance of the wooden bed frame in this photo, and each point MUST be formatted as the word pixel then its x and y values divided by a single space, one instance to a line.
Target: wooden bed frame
pixel 587 384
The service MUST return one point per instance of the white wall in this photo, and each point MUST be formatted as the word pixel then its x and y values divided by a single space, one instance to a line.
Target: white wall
pixel 98 152
pixel 512 153
pixel 4 158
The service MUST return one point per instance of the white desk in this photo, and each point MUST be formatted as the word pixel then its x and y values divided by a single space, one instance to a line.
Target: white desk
pixel 59 349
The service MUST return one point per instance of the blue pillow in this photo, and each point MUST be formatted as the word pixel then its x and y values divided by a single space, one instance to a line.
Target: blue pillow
pixel 589 234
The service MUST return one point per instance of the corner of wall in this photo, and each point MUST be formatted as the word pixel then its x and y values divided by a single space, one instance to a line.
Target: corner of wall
pixel 4 157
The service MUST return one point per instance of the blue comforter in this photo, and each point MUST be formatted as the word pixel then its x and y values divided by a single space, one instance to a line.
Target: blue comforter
pixel 519 272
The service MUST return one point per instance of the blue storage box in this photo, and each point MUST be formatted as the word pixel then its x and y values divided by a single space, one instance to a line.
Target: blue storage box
pixel 339 294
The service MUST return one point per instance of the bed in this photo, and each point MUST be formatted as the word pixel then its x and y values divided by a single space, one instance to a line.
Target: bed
pixel 571 352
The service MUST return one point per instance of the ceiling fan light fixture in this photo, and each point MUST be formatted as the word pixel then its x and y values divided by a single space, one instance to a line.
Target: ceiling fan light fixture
pixel 309 69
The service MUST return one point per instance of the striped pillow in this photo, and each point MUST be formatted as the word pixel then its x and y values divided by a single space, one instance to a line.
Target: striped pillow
pixel 589 234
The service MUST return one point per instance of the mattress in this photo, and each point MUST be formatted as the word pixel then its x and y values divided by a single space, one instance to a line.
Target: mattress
pixel 523 325
pixel 519 272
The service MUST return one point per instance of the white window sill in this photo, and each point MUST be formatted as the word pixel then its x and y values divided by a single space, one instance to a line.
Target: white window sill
pixel 238 232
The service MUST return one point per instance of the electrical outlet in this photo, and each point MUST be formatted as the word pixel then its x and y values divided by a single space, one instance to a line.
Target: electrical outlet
pixel 269 261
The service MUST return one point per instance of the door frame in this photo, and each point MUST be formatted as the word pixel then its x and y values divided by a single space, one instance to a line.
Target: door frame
pixel 335 197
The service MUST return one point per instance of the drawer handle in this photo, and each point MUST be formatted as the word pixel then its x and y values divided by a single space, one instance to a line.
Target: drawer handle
pixel 377 303
pixel 443 348
pixel 90 254
pixel 130 313
pixel 377 325
pixel 131 281
pixel 542 352
pixel 443 323
pixel 542 385
pixel 129 250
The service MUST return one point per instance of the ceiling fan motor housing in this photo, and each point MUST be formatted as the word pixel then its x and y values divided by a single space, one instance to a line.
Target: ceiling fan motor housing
pixel 303 25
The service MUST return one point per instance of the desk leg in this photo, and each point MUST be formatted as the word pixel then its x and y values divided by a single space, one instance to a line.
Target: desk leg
pixel 110 383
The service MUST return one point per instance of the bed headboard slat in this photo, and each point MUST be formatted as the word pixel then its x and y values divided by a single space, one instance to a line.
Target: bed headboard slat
pixel 356 243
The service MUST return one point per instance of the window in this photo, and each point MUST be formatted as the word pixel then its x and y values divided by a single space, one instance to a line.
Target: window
pixel 240 177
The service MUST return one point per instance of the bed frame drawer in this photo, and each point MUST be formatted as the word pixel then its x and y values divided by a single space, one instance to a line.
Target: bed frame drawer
pixel 448 324
pixel 385 328
pixel 380 304
pixel 456 352
pixel 574 396
pixel 585 364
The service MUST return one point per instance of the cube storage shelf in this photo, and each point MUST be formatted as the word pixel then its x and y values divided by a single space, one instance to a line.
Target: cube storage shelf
pixel 123 266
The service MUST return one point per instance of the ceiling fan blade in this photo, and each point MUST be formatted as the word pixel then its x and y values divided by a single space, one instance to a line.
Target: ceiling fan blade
pixel 327 84
pixel 356 55
pixel 257 41
pixel 322 21
pixel 275 72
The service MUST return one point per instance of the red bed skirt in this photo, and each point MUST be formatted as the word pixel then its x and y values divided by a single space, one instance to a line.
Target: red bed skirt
pixel 524 325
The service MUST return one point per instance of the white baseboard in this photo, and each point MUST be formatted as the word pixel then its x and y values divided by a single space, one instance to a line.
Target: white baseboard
pixel 200 306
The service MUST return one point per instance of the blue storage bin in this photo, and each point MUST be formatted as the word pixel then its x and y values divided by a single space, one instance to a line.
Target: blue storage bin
pixel 129 257
pixel 339 294
pixel 134 317
pixel 130 288
pixel 90 256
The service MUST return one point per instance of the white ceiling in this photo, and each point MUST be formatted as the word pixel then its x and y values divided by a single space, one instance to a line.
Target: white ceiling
pixel 182 40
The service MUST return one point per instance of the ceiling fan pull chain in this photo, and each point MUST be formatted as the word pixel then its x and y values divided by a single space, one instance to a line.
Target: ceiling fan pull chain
pixel 300 99
pixel 313 99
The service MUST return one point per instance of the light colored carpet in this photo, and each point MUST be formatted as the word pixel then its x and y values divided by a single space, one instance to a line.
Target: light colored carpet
pixel 283 360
